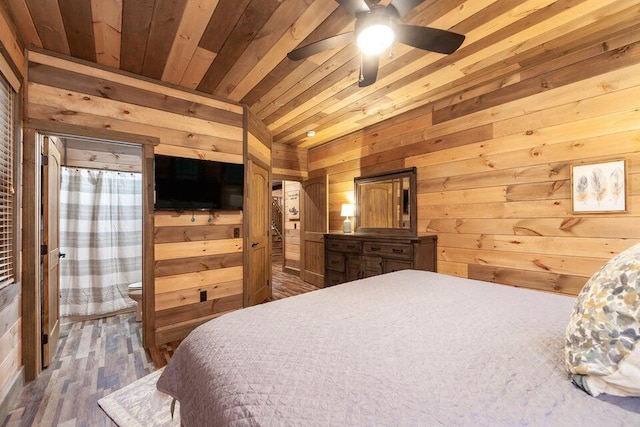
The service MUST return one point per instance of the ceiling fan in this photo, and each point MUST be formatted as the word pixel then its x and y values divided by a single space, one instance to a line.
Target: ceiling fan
pixel 376 29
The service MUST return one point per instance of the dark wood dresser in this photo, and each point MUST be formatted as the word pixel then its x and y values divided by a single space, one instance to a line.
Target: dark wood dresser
pixel 349 257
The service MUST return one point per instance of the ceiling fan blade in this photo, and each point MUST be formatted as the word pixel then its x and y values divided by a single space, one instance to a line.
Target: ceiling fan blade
pixel 354 6
pixel 319 46
pixel 404 6
pixel 368 69
pixel 426 38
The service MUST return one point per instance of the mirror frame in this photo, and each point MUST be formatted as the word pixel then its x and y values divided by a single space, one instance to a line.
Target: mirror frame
pixel 413 205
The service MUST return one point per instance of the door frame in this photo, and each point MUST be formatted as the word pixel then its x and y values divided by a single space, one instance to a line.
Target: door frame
pixel 31 200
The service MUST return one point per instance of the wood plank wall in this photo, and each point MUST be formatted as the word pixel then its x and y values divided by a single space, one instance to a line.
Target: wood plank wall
pixel 289 162
pixel 11 367
pixel 493 164
pixel 10 346
pixel 194 252
pixel 259 144
pixel 291 228
pixel 88 154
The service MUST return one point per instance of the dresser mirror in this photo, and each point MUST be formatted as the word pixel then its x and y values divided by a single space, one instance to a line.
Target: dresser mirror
pixel 386 204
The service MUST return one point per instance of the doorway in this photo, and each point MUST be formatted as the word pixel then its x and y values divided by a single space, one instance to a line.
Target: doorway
pixel 289 225
pixel 277 224
pixel 92 231
pixel 291 275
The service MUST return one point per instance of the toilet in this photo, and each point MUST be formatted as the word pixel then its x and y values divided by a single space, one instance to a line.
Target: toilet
pixel 135 293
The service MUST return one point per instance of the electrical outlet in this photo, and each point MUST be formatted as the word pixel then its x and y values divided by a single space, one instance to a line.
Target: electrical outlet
pixel 203 296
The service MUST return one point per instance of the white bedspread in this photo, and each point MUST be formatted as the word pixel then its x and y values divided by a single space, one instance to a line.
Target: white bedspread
pixel 408 348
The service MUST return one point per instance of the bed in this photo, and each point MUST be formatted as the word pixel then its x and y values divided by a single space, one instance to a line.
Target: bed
pixel 406 348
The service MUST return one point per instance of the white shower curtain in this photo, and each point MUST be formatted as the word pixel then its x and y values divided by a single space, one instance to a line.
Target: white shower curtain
pixel 101 236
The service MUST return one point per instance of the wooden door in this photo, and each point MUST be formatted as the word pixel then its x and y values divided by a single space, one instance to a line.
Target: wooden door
pixel 51 251
pixel 257 215
pixel 314 224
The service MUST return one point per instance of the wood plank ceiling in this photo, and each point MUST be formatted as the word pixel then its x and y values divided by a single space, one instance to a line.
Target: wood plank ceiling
pixel 236 49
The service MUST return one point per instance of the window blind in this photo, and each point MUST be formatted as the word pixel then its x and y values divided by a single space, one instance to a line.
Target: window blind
pixel 7 190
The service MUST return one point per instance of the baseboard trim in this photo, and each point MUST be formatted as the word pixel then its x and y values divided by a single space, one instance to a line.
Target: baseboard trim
pixel 9 394
pixel 292 271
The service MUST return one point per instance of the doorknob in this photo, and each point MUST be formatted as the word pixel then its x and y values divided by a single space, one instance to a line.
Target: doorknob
pixel 254 244
pixel 61 255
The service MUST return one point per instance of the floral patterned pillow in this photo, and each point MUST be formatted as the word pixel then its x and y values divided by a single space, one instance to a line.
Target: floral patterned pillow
pixel 601 349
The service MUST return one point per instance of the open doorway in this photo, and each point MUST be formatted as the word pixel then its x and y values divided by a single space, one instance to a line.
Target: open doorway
pixel 277 224
pixel 92 229
pixel 285 226
pixel 287 217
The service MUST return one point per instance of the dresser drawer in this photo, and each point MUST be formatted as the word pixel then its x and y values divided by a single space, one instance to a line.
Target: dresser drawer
pixel 391 265
pixel 334 261
pixel 372 266
pixel 332 278
pixel 373 263
pixel 354 247
pixel 402 250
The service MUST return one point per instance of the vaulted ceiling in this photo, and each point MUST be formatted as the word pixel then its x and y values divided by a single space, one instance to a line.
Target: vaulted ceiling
pixel 236 49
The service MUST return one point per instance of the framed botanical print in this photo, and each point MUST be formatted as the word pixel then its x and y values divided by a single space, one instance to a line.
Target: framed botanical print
pixel 599 187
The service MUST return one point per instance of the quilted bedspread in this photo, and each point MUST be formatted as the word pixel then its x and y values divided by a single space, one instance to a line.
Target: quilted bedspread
pixel 404 349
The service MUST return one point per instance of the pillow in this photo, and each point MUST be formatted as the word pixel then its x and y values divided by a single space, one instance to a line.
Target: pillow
pixel 601 349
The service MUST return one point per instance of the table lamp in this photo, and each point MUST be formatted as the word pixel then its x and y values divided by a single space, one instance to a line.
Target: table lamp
pixel 346 211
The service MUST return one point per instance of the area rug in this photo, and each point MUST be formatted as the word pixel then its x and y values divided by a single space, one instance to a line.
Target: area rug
pixel 139 405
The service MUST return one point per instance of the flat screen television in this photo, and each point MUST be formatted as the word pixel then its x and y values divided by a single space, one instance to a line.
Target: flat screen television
pixel 194 184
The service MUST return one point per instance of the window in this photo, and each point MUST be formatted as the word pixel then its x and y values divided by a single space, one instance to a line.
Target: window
pixel 7 190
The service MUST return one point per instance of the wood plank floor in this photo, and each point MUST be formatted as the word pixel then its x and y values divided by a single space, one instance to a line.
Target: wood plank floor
pixel 94 358
pixel 97 357
pixel 285 284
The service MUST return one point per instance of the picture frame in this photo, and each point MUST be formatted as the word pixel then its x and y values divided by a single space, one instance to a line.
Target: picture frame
pixel 599 187
pixel 292 205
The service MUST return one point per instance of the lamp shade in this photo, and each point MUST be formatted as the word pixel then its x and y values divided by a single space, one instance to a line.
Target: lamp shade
pixel 347 210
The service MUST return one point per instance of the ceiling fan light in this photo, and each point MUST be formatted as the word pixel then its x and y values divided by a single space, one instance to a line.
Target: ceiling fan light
pixel 375 39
